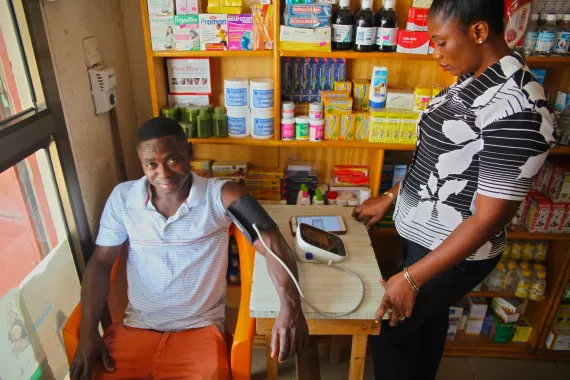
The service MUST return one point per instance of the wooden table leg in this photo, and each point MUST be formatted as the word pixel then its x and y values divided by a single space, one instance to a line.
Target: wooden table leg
pixel 308 366
pixel 357 357
pixel 271 363
pixel 335 349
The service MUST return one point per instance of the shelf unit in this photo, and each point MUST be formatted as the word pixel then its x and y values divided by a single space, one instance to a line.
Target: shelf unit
pixel 406 70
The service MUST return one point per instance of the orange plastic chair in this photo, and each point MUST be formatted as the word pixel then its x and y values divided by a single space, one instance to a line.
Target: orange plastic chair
pixel 241 347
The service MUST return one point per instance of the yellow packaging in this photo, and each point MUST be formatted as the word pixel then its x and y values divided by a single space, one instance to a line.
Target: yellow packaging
pixel 343 86
pixel 408 125
pixel 361 94
pixel 338 106
pixel 332 127
pixel 361 126
pixel 327 95
pixel 523 329
pixel 347 126
pixel 392 129
pixel 422 97
pixel 436 89
pixel 268 174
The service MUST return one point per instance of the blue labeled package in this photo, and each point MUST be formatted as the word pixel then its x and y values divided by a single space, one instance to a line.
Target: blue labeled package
pixel 306 74
pixel 236 97
pixel 309 21
pixel 314 63
pixel 340 70
pixel 263 127
pixel 317 10
pixel 539 75
pixel 297 74
pixel 237 125
pixel 287 76
pixel 326 73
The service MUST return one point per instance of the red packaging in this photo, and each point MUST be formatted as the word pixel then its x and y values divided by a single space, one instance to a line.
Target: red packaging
pixel 538 213
pixel 517 14
pixel 557 217
pixel 431 48
pixel 413 42
pixel 417 20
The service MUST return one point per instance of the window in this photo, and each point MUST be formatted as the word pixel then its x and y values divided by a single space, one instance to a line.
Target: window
pixel 43 227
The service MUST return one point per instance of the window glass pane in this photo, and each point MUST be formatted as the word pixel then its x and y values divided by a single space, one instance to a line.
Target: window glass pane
pixel 39 287
pixel 16 91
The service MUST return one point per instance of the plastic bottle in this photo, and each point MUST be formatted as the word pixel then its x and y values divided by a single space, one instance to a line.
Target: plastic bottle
pixel 524 265
pixel 364 30
pixel 564 127
pixel 190 123
pixel 547 37
pixel 516 250
pixel 342 27
pixel 205 128
pixel 512 278
pixel 531 35
pixel 538 287
pixel 304 188
pixel 386 22
pixel 563 37
pixel 495 280
pixel 220 122
pixel 331 197
pixel 523 286
pixel 318 199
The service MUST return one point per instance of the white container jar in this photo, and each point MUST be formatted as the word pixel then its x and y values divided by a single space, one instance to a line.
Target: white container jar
pixel 236 92
pixel 262 126
pixel 238 122
pixel 287 110
pixel 261 93
pixel 316 130
pixel 288 129
pixel 316 111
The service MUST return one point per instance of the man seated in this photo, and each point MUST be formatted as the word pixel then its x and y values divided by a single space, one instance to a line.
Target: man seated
pixel 177 227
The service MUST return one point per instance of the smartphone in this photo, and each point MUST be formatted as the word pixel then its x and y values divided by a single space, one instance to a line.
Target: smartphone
pixel 330 223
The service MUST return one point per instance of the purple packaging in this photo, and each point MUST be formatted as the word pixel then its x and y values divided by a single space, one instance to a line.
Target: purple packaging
pixel 306 73
pixel 314 64
pixel 287 76
pixel 298 74
pixel 325 74
pixel 240 29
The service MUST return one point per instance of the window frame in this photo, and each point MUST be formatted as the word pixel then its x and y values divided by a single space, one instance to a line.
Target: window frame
pixel 45 127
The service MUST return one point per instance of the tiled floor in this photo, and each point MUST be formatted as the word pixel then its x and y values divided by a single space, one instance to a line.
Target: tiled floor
pixel 450 369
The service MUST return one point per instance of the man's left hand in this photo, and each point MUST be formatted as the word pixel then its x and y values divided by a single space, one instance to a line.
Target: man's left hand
pixel 290 332
pixel 400 297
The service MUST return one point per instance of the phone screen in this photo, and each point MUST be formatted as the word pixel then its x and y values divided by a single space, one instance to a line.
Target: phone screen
pixel 327 223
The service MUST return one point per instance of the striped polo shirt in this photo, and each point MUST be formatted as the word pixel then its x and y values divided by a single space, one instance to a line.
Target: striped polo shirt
pixel 488 135
pixel 176 267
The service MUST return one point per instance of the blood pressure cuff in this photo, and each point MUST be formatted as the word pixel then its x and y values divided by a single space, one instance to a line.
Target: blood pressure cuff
pixel 245 212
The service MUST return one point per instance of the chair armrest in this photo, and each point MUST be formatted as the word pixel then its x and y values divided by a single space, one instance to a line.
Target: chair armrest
pixel 70 333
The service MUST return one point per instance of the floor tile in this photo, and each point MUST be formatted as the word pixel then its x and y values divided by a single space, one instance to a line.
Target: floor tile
pixel 501 369
pixel 286 370
pixel 564 368
pixel 451 368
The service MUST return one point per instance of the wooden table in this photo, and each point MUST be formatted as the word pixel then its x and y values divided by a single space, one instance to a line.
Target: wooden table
pixel 329 289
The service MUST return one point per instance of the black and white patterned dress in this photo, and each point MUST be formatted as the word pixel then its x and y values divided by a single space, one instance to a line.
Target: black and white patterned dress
pixel 488 135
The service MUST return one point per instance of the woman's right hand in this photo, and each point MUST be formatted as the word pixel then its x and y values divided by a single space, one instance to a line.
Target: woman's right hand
pixel 374 208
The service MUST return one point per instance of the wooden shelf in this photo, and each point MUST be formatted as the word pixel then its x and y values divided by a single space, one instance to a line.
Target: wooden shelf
pixel 249 141
pixel 552 59
pixel 560 150
pixel 486 293
pixel 202 53
pixel 521 233
pixel 483 345
pixel 357 55
pixel 553 355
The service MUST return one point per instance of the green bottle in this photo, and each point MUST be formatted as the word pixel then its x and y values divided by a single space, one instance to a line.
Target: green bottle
pixel 210 108
pixel 204 123
pixel 220 122
pixel 170 112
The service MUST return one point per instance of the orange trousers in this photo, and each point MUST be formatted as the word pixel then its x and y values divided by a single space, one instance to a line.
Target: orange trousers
pixel 199 354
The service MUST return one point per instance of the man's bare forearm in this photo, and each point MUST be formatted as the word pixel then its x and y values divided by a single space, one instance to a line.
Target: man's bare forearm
pixel 94 293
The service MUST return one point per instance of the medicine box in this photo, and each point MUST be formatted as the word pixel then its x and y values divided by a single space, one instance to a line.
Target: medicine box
pixel 362 126
pixel 562 316
pixel 332 127
pixel 347 126
pixel 307 15
pixel 422 3
pixel 559 187
pixel 229 169
pixel 417 19
pixel 474 327
pixel 565 226
pixel 160 7
pixel 343 86
pixel 412 42
pixel 240 29
pixel 338 106
pixel 328 95
pixel 455 312
pixel 510 305
pixel 408 127
pixel 557 217
pixel 187 7
pixel 213 32
pixel 187 32
pixel 400 97
pixel 562 101
pixel 176 100
pixel 539 75
pixel 537 215
pixel 361 93
pixel 477 308
pixel 487 323
pixel 162 33
pixel 452 328
pixel 547 170
pixel 262 26
pixel 502 332
pixel 189 76
pixel 523 329
pixel 502 314
pixel 558 339
pixel 300 39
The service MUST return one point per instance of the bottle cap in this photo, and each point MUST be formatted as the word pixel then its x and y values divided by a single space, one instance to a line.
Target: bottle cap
pixel 524 264
pixel 512 264
pixel 332 195
pixel 366 4
pixel 344 3
pixel 501 266
pixel 319 195
pixel 541 274
pixel 219 111
pixel 534 16
pixel 204 112
pixel 526 273
pixel 551 18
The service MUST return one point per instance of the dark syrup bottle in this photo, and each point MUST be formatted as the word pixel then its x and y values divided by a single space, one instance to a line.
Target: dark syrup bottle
pixel 342 27
pixel 386 28
pixel 364 30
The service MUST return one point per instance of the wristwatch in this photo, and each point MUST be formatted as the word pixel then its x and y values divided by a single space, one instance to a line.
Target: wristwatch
pixel 391 195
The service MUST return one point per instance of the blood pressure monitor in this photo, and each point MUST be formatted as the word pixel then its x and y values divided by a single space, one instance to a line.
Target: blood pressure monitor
pixel 314 245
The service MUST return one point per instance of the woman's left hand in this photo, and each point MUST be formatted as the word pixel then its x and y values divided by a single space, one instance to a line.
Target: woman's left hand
pixel 399 296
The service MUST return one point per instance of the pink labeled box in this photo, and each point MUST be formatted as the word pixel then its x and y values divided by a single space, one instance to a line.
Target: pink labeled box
pixel 412 42
pixel 240 32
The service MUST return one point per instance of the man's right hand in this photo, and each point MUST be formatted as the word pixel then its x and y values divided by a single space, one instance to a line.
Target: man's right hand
pixel 89 350
pixel 374 209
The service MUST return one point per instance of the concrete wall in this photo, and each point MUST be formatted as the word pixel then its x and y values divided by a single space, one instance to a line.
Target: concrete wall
pixel 68 22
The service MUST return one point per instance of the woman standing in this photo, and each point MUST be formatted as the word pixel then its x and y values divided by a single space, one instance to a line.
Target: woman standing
pixel 481 143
